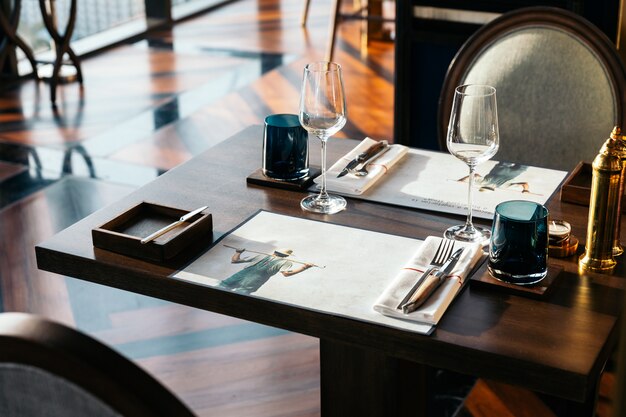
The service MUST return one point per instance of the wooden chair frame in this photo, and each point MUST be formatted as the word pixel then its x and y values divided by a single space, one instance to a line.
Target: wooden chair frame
pixel 332 25
pixel 29 340
pixel 526 17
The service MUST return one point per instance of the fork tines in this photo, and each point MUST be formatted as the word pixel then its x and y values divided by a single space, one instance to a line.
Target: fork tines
pixel 444 250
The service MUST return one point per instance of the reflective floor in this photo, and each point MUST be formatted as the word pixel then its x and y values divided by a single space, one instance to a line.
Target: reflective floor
pixel 101 136
pixel 146 107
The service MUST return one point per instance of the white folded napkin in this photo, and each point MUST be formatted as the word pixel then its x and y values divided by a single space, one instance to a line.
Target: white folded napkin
pixel 351 184
pixel 434 307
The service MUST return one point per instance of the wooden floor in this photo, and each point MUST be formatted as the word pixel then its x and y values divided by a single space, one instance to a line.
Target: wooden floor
pixel 145 108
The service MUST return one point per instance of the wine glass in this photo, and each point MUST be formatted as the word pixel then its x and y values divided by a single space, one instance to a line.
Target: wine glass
pixel 473 138
pixel 323 113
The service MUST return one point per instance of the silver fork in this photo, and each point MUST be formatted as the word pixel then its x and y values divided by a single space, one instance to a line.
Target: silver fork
pixel 443 252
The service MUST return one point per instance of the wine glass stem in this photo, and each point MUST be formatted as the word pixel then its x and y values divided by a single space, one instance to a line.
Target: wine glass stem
pixel 323 194
pixel 468 222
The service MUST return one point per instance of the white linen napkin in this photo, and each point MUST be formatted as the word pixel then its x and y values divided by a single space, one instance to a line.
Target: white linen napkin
pixel 434 307
pixel 350 184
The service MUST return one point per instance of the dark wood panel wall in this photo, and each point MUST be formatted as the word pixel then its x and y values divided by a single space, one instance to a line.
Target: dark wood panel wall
pixel 425 48
pixel 159 9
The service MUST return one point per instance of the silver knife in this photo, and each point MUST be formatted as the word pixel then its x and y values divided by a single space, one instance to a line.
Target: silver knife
pixel 363 156
pixel 431 283
pixel 172 225
pixel 361 172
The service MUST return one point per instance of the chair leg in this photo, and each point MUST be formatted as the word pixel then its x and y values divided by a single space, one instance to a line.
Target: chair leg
pixel 305 13
pixel 54 79
pixel 334 21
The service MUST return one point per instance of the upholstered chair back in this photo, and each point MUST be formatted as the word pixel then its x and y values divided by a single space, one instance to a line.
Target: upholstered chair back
pixel 559 83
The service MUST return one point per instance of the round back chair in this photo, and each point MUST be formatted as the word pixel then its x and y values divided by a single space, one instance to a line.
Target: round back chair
pixel 559 85
pixel 50 369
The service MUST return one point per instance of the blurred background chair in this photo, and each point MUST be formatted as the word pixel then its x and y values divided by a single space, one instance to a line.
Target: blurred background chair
pixel 560 85
pixel 332 25
pixel 60 71
pixel 10 38
pixel 50 369
pixel 361 11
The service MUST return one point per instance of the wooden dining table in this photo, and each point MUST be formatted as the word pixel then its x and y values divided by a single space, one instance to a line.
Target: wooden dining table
pixel 557 345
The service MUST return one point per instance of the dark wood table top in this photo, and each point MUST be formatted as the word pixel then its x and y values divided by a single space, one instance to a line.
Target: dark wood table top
pixel 557 345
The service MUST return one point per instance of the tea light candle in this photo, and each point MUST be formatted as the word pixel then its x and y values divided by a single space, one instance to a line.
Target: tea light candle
pixel 559 229
pixel 562 243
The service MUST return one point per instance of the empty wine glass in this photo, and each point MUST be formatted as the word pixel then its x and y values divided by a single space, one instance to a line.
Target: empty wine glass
pixel 473 138
pixel 323 113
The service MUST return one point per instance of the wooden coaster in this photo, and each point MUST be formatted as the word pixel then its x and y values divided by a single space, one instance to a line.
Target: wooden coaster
pixel 301 184
pixel 483 279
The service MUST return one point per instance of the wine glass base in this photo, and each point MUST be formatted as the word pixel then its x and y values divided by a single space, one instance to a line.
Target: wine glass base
pixel 328 205
pixel 478 234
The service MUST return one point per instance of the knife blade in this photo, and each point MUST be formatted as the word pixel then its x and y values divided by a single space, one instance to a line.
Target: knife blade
pixel 172 225
pixel 431 283
pixel 362 171
pixel 363 156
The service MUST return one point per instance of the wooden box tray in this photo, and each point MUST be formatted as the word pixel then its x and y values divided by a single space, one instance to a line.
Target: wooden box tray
pixel 123 234
pixel 577 186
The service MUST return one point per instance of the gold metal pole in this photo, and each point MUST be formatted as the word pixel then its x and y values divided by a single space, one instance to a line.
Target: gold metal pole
pixel 621 31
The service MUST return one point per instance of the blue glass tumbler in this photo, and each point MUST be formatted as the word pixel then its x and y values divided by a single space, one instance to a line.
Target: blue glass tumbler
pixel 518 251
pixel 285 148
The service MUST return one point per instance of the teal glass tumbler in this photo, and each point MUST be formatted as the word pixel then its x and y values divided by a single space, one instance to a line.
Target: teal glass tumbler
pixel 285 148
pixel 518 249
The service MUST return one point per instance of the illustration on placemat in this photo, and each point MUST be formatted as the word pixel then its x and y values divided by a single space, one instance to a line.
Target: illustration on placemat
pixel 502 176
pixel 261 267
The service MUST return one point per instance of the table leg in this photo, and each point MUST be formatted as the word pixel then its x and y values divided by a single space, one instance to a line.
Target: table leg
pixel 374 26
pixel 332 28
pixel 360 382
pixel 568 408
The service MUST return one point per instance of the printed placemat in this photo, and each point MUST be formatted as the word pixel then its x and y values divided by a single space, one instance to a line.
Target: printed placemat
pixel 311 264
